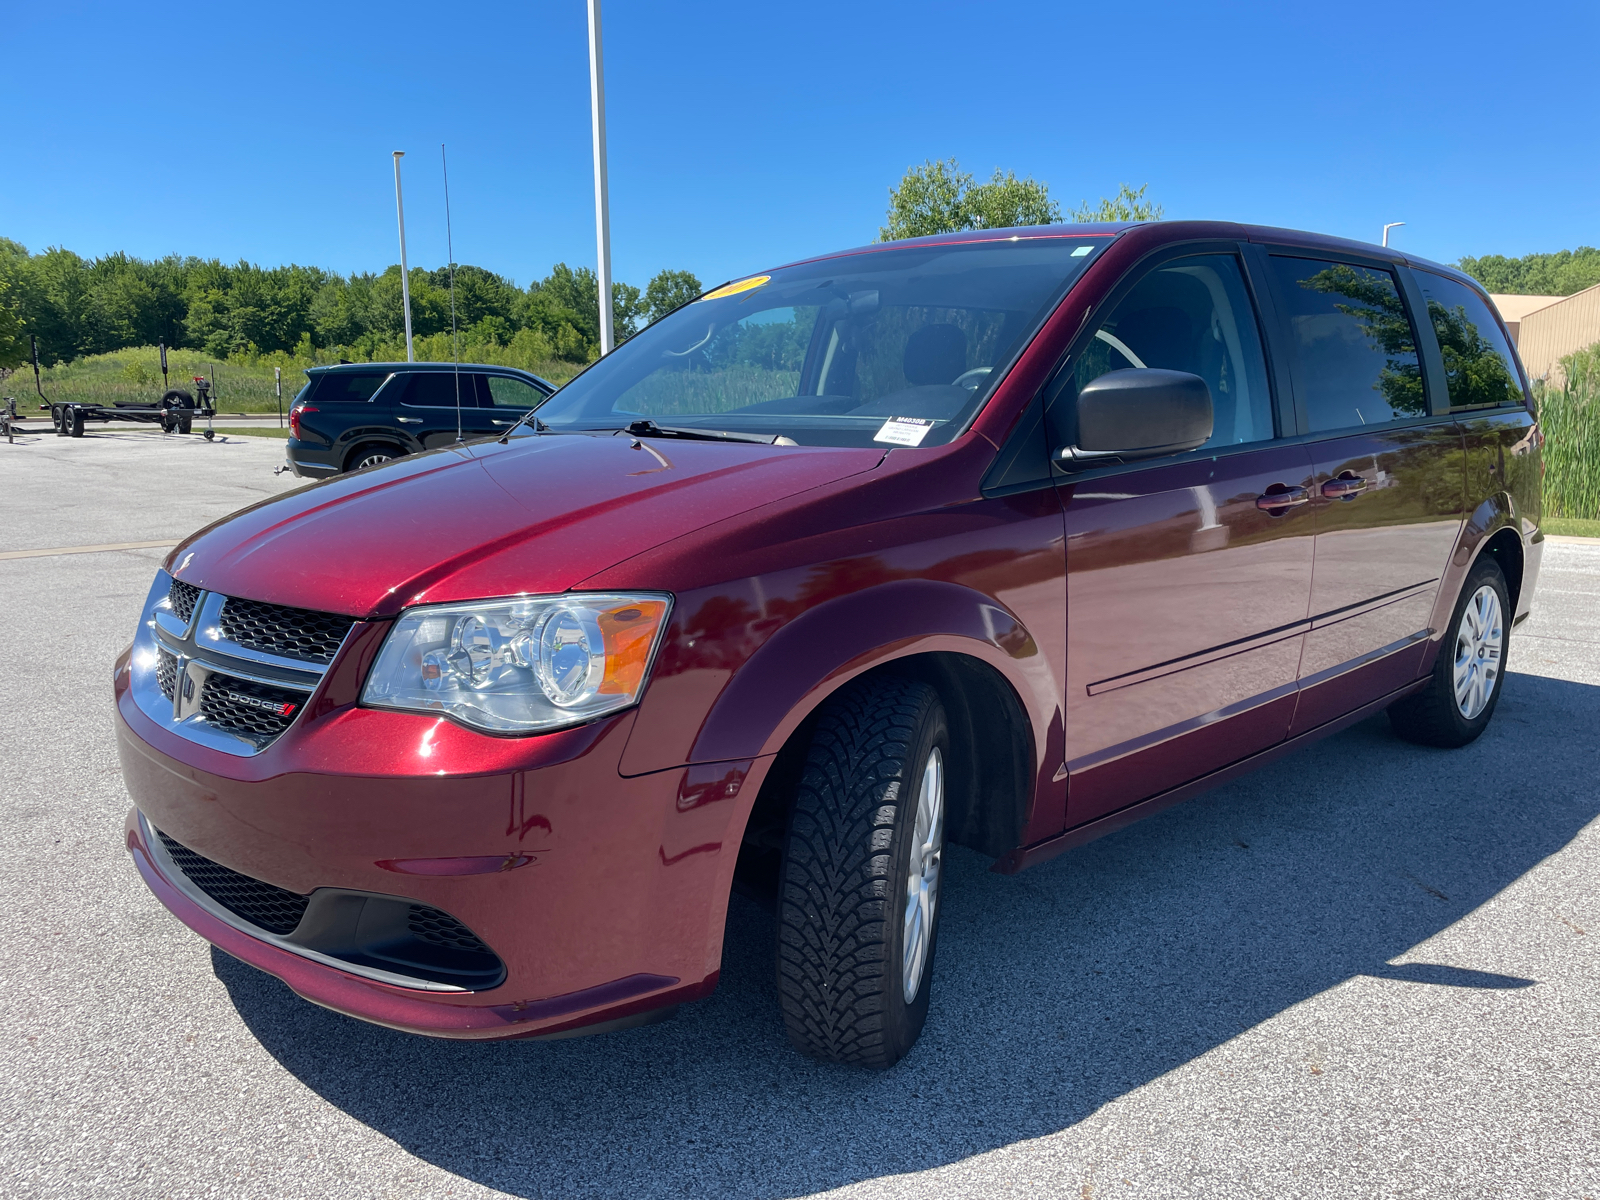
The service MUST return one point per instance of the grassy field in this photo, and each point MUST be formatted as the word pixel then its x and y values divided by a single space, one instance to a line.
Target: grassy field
pixel 135 376
pixel 1571 527
pixel 1570 418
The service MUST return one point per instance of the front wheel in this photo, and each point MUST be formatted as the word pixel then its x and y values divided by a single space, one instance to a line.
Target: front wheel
pixel 1462 693
pixel 858 899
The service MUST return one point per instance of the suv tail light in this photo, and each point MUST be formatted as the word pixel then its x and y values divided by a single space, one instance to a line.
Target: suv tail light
pixel 294 418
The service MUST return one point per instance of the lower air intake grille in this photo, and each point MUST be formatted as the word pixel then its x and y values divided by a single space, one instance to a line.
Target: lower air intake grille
pixel 182 596
pixel 431 925
pixel 272 908
pixel 291 632
pixel 254 710
pixel 166 672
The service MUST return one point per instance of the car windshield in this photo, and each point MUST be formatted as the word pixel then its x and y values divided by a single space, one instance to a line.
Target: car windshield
pixel 886 347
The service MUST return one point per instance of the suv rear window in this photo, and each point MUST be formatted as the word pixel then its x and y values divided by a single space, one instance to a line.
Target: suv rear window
pixel 1479 368
pixel 346 387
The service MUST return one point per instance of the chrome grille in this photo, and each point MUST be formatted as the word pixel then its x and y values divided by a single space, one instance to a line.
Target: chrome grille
pixel 272 908
pixel 441 929
pixel 166 672
pixel 255 710
pixel 277 629
pixel 183 597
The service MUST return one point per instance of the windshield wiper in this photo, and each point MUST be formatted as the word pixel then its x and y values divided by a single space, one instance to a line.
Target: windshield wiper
pixel 651 429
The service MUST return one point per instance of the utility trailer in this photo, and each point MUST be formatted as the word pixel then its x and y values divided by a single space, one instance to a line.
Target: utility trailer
pixel 174 412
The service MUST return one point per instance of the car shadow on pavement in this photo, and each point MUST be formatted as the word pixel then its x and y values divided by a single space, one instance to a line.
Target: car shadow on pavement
pixel 1058 990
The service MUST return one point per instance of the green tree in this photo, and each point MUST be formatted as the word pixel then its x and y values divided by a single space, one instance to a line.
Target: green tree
pixel 939 197
pixel 1376 305
pixel 13 341
pixel 1128 204
pixel 1558 274
pixel 669 290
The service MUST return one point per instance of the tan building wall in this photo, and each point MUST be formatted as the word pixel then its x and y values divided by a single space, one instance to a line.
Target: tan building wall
pixel 1514 308
pixel 1549 333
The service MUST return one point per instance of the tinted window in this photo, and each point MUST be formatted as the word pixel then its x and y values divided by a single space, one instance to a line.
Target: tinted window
pixel 1193 315
pixel 506 392
pixel 831 352
pixel 348 387
pixel 1478 364
pixel 1355 350
pixel 437 389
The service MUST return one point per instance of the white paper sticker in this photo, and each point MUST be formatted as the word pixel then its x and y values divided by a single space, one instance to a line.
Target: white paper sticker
pixel 903 431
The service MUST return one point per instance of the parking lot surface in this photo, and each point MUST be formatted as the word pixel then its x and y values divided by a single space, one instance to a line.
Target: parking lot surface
pixel 1367 970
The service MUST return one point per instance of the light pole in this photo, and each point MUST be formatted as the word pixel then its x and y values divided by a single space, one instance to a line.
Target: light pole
pixel 602 214
pixel 405 276
pixel 1389 226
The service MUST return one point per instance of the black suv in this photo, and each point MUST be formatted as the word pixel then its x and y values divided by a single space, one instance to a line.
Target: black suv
pixel 360 414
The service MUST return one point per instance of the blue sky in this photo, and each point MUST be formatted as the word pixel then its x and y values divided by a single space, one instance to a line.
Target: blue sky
pixel 743 134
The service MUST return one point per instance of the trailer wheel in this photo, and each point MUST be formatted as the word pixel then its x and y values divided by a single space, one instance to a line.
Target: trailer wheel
pixel 74 421
pixel 177 397
pixel 55 420
pixel 169 417
pixel 185 422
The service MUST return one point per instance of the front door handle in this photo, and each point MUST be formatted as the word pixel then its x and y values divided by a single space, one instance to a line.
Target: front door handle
pixel 1346 487
pixel 1280 498
pixel 409 420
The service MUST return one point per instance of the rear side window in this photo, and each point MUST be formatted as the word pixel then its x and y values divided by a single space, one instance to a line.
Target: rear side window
pixel 1190 314
pixel 437 389
pixel 1478 364
pixel 1355 350
pixel 505 392
pixel 347 387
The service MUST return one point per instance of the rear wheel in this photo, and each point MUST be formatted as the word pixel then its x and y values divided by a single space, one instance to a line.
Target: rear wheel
pixel 372 456
pixel 72 420
pixel 1462 693
pixel 56 422
pixel 858 898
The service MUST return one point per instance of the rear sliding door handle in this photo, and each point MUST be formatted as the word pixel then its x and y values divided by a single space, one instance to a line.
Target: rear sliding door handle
pixel 1345 487
pixel 409 420
pixel 1280 498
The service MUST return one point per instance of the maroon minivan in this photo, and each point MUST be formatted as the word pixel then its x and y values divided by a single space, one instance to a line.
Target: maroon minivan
pixel 1004 538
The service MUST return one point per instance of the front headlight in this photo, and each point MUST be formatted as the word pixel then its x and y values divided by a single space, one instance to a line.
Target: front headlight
pixel 520 666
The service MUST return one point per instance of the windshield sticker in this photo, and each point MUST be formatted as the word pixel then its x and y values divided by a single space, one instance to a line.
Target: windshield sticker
pixel 733 289
pixel 1081 251
pixel 904 431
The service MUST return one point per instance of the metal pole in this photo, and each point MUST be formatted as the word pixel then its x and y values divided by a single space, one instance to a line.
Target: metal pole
pixel 602 214
pixel 405 276
pixel 1389 226
pixel 277 383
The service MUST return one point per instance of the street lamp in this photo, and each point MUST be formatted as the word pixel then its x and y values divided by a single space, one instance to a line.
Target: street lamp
pixel 602 215
pixel 405 276
pixel 1389 226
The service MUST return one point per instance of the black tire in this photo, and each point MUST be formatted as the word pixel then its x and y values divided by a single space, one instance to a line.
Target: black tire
pixel 177 398
pixel 372 454
pixel 1434 716
pixel 185 422
pixel 56 422
pixel 169 417
pixel 73 419
pixel 842 893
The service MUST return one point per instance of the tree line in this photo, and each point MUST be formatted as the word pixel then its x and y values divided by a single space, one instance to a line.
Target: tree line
pixel 77 306
pixel 1558 274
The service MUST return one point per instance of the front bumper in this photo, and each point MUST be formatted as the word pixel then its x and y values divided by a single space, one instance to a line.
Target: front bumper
pixel 604 896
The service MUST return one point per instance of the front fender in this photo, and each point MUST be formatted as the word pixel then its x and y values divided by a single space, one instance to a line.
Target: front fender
pixel 773 690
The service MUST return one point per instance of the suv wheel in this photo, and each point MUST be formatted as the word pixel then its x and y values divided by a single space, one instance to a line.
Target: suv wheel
pixel 858 898
pixel 1456 705
pixel 372 456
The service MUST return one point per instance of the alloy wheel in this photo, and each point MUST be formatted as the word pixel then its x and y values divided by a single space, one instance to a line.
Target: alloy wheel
pixel 1480 640
pixel 922 877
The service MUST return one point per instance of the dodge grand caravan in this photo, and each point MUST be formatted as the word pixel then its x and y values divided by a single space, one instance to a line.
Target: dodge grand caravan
pixel 1003 539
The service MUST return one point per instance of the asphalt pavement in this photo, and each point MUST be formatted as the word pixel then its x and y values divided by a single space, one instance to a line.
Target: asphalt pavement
pixel 1369 969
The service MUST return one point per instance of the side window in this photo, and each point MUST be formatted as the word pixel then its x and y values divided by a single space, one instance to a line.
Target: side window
pixel 1478 364
pixel 505 392
pixel 1355 350
pixel 1190 314
pixel 348 387
pixel 437 389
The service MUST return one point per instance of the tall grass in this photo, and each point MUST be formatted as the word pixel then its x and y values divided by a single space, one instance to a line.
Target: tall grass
pixel 1570 417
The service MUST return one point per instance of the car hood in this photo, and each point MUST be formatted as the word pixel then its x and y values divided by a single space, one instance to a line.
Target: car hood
pixel 538 515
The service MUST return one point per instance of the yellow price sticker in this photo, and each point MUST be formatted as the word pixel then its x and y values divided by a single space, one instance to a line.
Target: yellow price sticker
pixel 733 289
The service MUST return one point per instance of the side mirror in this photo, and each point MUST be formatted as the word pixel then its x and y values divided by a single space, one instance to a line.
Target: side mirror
pixel 1140 413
